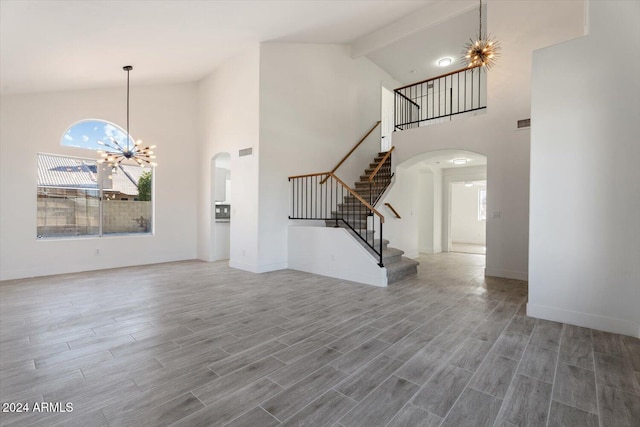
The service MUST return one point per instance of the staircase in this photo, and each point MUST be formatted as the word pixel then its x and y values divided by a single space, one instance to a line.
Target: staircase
pixel 398 267
pixel 325 197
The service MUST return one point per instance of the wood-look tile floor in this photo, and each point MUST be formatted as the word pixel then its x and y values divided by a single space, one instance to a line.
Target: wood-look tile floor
pixel 200 344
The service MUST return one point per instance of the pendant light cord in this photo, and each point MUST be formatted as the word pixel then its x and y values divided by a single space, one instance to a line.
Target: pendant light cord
pixel 480 32
pixel 128 135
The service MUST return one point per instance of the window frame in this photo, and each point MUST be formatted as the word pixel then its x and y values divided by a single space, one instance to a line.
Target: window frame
pixel 101 198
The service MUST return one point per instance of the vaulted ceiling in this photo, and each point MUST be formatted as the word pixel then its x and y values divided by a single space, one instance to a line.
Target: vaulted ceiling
pixel 64 45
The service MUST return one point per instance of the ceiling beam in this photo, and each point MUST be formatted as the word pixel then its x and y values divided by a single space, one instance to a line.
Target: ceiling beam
pixel 430 15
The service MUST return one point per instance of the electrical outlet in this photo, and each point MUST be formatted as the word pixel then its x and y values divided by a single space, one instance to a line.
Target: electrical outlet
pixel 97 252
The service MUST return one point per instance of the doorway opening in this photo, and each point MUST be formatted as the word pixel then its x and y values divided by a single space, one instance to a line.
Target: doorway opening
pixel 386 119
pixel 220 207
pixel 468 217
pixel 444 194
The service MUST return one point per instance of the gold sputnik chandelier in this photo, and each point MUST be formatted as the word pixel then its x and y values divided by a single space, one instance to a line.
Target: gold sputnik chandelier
pixel 117 152
pixel 482 52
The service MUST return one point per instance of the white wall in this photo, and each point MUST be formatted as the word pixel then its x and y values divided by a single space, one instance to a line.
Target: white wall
pixel 494 134
pixel 32 123
pixel 465 225
pixel 315 104
pixel 229 121
pixel 333 252
pixel 425 184
pixel 585 197
pixel 407 197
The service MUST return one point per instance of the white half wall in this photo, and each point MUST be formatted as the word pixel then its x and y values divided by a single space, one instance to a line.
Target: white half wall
pixel 333 252
pixel 33 123
pixel 585 196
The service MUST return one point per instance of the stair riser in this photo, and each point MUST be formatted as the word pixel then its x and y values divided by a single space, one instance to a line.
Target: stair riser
pixel 391 259
pixel 352 210
pixel 378 177
pixel 396 276
pixel 374 187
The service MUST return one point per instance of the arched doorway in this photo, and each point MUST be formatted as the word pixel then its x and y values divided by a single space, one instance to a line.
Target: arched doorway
pixel 444 193
pixel 220 206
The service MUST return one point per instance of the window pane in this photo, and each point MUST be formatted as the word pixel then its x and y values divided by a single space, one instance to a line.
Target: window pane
pixel 482 205
pixel 87 133
pixel 127 199
pixel 67 197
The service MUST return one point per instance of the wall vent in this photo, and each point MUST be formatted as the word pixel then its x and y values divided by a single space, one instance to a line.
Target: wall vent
pixel 524 123
pixel 245 152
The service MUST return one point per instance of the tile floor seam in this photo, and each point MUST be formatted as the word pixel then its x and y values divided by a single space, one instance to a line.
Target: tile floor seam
pixel 420 387
pixel 515 373
pixel 247 411
pixel 595 379
pixel 262 407
pixel 555 374
pixel 339 392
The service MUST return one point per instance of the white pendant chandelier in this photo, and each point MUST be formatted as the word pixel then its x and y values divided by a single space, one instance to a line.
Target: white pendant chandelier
pixel 116 152
pixel 482 52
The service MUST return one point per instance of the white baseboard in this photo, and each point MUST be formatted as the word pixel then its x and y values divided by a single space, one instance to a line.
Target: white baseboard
pixel 244 266
pixel 83 267
pixel 272 267
pixel 507 274
pixel 427 251
pixel 252 268
pixel 412 254
pixel 586 320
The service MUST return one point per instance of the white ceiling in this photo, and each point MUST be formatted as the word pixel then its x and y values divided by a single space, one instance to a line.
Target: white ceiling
pixel 441 159
pixel 414 58
pixel 63 45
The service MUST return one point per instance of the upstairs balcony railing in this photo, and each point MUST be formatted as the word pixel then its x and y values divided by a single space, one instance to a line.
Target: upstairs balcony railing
pixel 450 94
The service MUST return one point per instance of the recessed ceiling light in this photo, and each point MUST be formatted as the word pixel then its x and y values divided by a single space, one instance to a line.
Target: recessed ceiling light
pixel 444 62
pixel 460 161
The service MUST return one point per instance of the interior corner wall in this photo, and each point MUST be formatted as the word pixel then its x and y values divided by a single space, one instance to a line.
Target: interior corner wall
pixel 316 102
pixel 494 134
pixel 585 192
pixel 228 121
pixel 163 115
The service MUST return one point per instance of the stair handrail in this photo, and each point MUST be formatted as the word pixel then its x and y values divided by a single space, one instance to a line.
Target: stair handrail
pixel 352 150
pixel 349 189
pixel 380 163
pixel 395 212
pixel 359 197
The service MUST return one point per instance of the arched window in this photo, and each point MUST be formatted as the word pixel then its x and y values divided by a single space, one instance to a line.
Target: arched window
pixel 81 197
pixel 87 133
